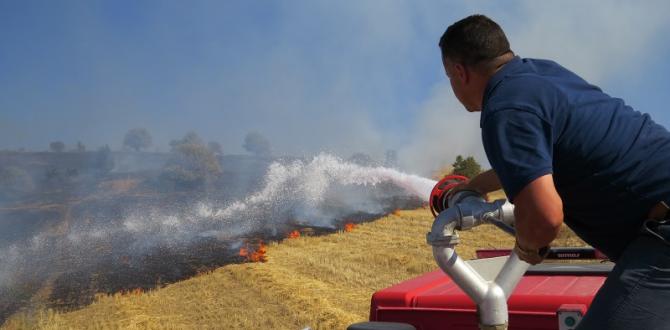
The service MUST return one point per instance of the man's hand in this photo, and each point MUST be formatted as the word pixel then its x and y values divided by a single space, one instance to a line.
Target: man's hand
pixel 463 186
pixel 483 183
pixel 531 256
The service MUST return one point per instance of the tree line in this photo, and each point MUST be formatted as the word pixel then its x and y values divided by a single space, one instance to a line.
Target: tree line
pixel 139 139
pixel 191 163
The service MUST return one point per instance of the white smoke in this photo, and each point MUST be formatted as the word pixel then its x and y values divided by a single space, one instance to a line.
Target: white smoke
pixel 443 130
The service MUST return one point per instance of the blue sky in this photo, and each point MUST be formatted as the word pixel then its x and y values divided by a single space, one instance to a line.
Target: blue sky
pixel 340 76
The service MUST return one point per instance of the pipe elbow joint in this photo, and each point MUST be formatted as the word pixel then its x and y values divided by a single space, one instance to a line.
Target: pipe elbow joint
pixel 495 303
pixel 470 211
pixel 443 230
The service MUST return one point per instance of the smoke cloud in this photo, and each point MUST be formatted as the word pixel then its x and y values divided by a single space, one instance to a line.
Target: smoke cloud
pixel 443 130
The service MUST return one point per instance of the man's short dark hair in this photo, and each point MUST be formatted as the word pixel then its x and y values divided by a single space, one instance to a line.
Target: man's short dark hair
pixel 474 40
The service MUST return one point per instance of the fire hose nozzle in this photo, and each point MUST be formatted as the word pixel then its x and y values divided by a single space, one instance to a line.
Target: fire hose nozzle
pixel 439 196
pixel 468 209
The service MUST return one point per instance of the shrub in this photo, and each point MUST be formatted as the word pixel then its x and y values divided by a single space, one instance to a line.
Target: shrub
pixel 192 163
pixel 137 139
pixel 257 144
pixel 466 166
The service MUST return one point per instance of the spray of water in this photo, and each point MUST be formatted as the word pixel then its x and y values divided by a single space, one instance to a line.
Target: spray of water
pixel 306 192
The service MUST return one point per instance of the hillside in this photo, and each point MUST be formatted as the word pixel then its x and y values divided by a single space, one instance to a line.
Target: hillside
pixel 322 282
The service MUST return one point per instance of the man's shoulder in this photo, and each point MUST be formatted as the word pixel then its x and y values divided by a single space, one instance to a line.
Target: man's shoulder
pixel 522 87
pixel 534 85
pixel 526 93
pixel 527 77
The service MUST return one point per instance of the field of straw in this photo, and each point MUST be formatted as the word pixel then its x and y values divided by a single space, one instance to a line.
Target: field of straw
pixel 320 282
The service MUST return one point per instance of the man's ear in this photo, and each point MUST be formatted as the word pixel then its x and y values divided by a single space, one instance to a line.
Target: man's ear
pixel 462 72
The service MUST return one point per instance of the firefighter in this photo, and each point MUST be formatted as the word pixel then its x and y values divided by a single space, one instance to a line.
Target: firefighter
pixel 565 152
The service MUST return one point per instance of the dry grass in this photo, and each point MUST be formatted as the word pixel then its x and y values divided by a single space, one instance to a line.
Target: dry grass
pixel 319 282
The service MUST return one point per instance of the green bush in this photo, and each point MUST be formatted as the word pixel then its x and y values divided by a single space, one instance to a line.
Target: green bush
pixel 192 163
pixel 466 166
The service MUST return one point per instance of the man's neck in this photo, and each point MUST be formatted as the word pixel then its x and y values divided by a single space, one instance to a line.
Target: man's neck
pixel 481 81
pixel 499 62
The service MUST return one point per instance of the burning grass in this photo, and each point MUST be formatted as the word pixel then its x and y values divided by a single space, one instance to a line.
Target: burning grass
pixel 324 282
pixel 256 254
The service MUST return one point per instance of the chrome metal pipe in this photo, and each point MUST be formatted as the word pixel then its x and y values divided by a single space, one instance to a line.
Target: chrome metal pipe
pixel 466 210
pixel 461 273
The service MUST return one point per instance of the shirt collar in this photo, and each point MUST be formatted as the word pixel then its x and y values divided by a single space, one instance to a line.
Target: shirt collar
pixel 499 76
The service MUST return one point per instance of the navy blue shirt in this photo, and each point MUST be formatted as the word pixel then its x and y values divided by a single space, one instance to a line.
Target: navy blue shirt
pixel 610 164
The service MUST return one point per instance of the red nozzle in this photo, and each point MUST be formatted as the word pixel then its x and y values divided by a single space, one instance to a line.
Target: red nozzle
pixel 438 196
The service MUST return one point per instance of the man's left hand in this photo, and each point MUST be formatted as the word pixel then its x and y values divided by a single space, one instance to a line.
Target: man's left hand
pixel 531 256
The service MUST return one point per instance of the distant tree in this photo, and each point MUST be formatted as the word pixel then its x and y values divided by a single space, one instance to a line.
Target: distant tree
pixel 52 173
pixel 103 159
pixel 15 180
pixel 192 163
pixel 81 147
pixel 466 166
pixel 189 138
pixel 57 146
pixel 257 144
pixel 215 148
pixel 137 139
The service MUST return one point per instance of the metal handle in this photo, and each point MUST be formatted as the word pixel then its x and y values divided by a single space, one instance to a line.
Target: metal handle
pixel 468 210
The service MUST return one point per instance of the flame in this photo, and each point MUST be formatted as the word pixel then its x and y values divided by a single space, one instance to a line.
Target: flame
pixel 259 254
pixel 256 256
pixel 349 227
pixel 396 212
pixel 294 234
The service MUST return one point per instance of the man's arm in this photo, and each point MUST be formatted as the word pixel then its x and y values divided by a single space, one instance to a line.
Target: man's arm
pixel 538 213
pixel 483 183
pixel 538 209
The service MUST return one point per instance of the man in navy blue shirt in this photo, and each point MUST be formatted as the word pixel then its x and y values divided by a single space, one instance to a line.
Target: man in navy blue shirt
pixel 564 151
